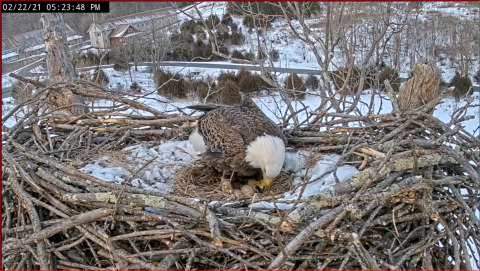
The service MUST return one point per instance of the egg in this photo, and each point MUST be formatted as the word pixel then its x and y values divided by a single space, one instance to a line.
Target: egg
pixel 237 192
pixel 247 190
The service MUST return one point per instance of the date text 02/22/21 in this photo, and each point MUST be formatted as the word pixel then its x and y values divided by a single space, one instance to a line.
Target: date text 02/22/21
pixel 55 6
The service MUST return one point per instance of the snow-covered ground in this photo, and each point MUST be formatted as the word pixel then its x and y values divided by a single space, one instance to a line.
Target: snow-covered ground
pixel 159 163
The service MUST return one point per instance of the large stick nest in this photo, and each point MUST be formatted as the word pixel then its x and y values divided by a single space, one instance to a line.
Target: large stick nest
pixel 412 206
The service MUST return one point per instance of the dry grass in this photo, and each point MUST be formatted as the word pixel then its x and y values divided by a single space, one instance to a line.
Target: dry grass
pixel 199 182
pixel 421 88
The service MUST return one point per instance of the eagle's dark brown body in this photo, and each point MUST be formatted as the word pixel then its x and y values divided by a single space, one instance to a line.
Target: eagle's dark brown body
pixel 228 130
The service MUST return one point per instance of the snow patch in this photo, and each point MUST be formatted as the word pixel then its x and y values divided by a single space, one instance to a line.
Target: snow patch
pixel 149 167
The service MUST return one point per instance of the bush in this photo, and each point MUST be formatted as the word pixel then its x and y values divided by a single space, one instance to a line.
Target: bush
pixel 207 51
pixel 198 49
pixel 119 62
pixel 476 77
pixel 243 73
pixel 182 38
pixel 237 54
pixel 100 77
pixel 188 27
pixel 462 86
pixel 274 55
pixel 212 21
pixel 294 85
pixel 237 38
pixel 200 89
pixel 393 76
pixel 224 76
pixel 312 82
pixel 170 85
pixel 224 50
pixel 201 36
pixel 250 83
pixel 228 93
pixel 120 66
pixel 227 19
pixel 135 87
pixel 183 45
pixel 339 76
pixel 233 27
pixel 249 56
pixel 225 36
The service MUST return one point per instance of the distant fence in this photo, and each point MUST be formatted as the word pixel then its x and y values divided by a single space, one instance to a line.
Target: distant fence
pixel 15 65
pixel 80 45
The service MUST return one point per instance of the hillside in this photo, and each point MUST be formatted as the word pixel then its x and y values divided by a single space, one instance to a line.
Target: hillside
pixel 16 23
pixel 436 30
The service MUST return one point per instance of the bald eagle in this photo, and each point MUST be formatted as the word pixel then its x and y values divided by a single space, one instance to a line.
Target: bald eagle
pixel 239 140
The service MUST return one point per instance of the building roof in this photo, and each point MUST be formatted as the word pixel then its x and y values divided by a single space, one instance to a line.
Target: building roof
pixel 28 39
pixel 132 34
pixel 134 18
pixel 119 31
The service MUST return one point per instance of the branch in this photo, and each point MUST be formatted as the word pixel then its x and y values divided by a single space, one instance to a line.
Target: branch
pixel 57 228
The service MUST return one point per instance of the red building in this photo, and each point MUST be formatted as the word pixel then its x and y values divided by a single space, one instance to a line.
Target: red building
pixel 122 34
pixel 116 31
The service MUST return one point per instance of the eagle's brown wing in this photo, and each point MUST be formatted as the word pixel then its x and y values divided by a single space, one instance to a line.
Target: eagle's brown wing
pixel 219 134
pixel 228 130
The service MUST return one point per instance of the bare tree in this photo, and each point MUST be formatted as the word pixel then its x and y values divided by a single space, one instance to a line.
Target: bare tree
pixel 137 51
pixel 122 57
pixel 157 43
pixel 380 23
pixel 465 42
pixel 322 44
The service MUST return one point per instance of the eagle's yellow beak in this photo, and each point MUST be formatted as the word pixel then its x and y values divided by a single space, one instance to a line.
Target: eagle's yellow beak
pixel 266 181
pixel 260 186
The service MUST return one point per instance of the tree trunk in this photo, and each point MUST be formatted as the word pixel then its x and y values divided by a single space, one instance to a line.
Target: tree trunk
pixel 59 67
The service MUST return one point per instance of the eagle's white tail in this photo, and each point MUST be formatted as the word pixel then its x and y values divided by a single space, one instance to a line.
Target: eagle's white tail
pixel 197 142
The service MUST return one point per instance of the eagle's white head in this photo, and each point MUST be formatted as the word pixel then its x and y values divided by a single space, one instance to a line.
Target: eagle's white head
pixel 267 153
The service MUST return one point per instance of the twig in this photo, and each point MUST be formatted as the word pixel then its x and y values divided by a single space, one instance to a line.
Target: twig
pixel 68 223
pixel 41 247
